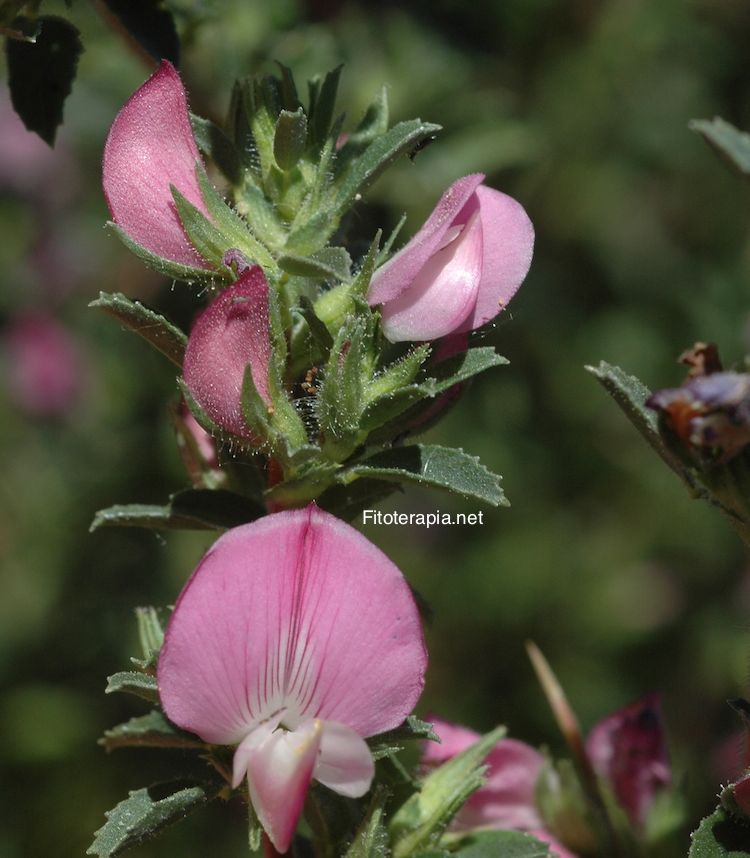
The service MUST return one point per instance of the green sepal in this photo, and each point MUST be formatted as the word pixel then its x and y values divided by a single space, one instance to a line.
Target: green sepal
pixel 166 267
pixel 152 326
pixel 150 635
pixel 262 98
pixel 420 821
pixel 214 143
pixel 318 331
pixel 144 813
pixel 431 465
pixel 732 144
pixel 302 489
pixel 309 233
pixel 371 838
pixel 239 131
pixel 385 251
pixel 380 154
pixel 328 263
pixel 148 731
pixel 720 836
pixel 322 106
pixel 134 682
pixel 290 138
pixel 288 88
pixel 190 509
pixel 399 374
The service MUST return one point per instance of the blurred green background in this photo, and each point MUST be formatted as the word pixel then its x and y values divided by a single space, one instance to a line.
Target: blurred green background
pixel 580 110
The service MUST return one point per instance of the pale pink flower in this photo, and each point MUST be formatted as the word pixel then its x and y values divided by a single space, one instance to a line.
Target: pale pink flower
pixel 45 366
pixel 150 147
pixel 231 334
pixel 460 270
pixel 628 750
pixel 506 799
pixel 294 639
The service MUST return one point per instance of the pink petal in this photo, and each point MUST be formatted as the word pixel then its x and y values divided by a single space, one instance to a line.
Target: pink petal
pixel 149 147
pixel 442 294
pixel 345 764
pixel 279 771
pixel 230 334
pixel 295 612
pixel 628 749
pixel 508 243
pixel 391 279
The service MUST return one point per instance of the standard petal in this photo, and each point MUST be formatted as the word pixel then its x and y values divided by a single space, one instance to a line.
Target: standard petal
pixel 295 612
pixel 442 295
pixel 230 334
pixel 507 247
pixel 391 279
pixel 345 764
pixel 279 771
pixel 149 147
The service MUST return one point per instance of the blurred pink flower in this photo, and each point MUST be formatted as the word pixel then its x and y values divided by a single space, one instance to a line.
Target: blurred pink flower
pixel 506 800
pixel 150 147
pixel 231 334
pixel 295 639
pixel 628 750
pixel 45 366
pixel 460 270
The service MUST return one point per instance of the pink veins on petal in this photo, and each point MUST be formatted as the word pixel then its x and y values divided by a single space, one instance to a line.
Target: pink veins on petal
pixel 150 147
pixel 295 638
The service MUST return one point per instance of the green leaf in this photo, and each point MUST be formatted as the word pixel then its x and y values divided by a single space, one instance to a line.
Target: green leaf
pixel 148 731
pixel 41 74
pixel 328 263
pixel 134 682
pixel 398 374
pixel 191 509
pixel 290 139
pixel 143 814
pixel 422 818
pixel 154 328
pixel 348 501
pixel 387 744
pixel 501 844
pixel 371 838
pixel 373 124
pixel 432 465
pixel 720 836
pixel 166 267
pixel 379 155
pixel 214 143
pixel 151 25
pixel 150 635
pixel 732 144
pixel 631 395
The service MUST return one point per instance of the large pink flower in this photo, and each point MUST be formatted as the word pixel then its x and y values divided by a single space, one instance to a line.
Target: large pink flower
pixel 231 334
pixel 460 270
pixel 506 800
pixel 150 147
pixel 295 638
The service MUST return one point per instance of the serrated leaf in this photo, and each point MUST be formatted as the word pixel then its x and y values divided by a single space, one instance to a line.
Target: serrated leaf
pixel 508 844
pixel 732 144
pixel 432 465
pixel 41 74
pixel 214 143
pixel 328 263
pixel 422 818
pixel 720 836
pixel 191 509
pixel 153 327
pixel 148 731
pixel 631 395
pixel 380 154
pixel 151 25
pixel 142 815
pixel 166 267
pixel 134 682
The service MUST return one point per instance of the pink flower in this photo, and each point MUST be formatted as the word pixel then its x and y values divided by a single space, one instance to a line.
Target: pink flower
pixel 506 800
pixel 628 749
pixel 295 638
pixel 45 367
pixel 460 270
pixel 231 334
pixel 150 147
